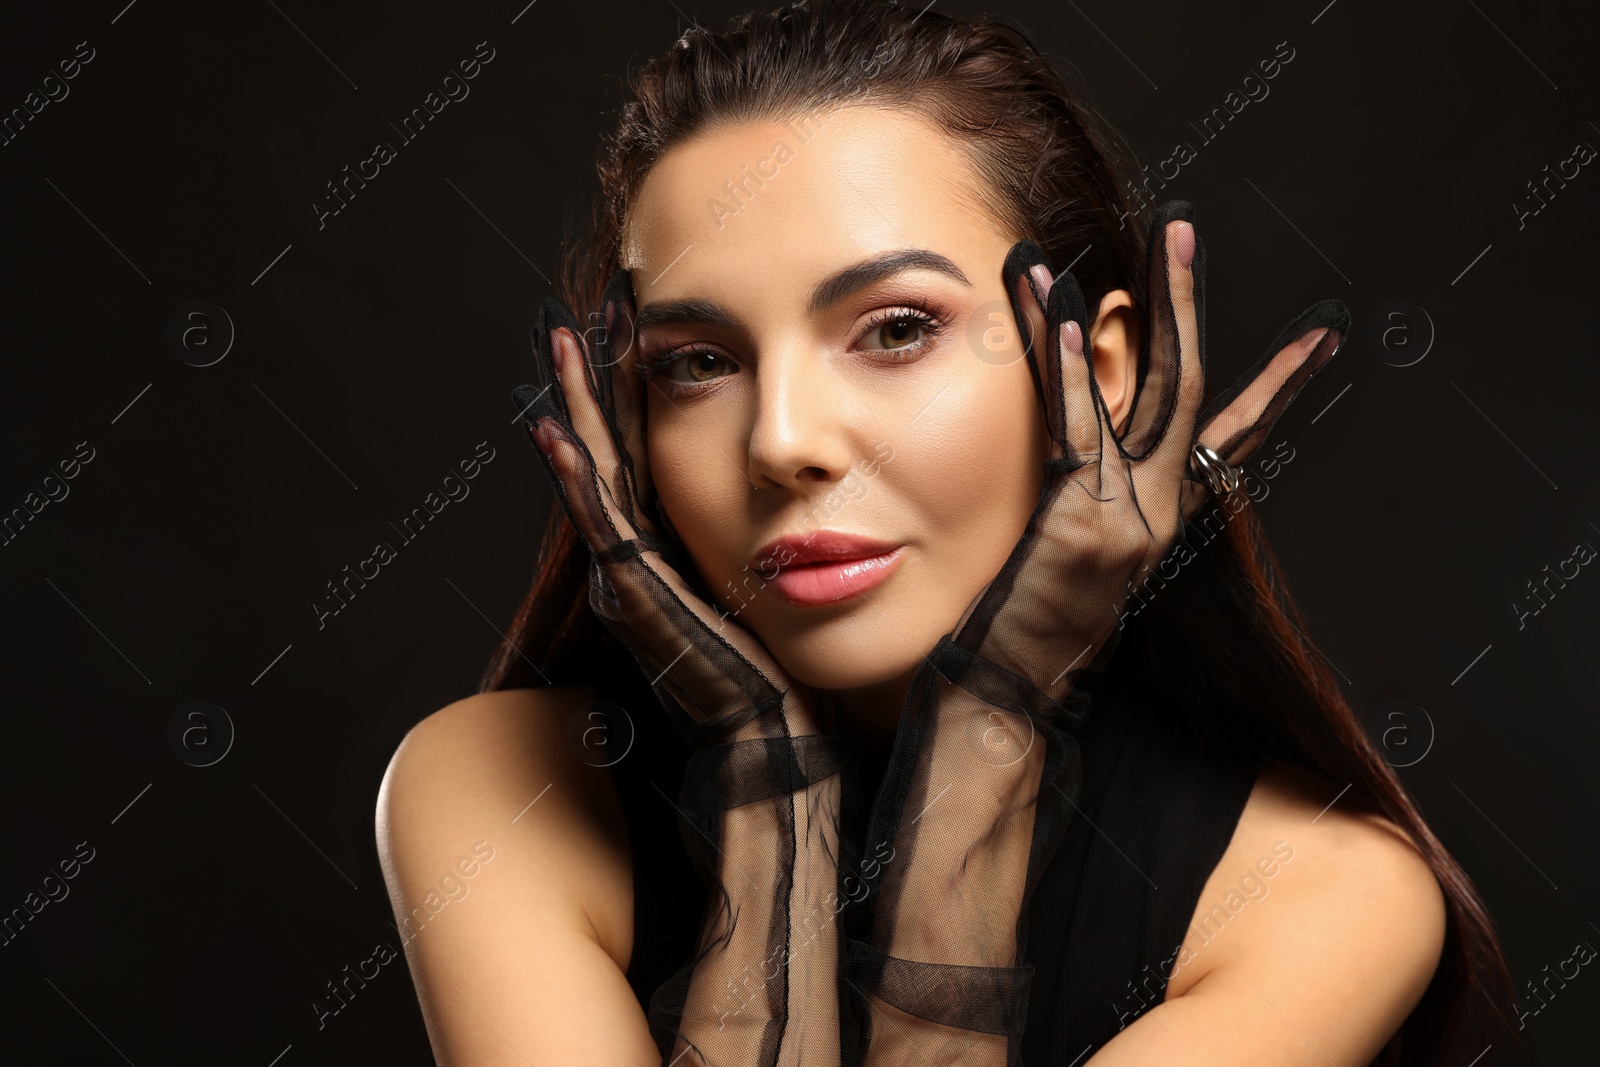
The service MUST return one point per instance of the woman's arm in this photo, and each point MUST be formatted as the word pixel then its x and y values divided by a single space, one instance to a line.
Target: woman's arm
pixel 977 794
pixel 762 987
pixel 522 960
pixel 1323 968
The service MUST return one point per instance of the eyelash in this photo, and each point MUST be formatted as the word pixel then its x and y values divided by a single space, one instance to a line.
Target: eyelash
pixel 652 367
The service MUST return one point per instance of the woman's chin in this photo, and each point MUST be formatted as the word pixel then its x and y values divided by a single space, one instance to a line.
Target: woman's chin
pixel 831 674
pixel 869 647
pixel 828 664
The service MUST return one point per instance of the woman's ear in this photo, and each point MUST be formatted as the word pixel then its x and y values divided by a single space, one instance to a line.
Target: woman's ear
pixel 1115 336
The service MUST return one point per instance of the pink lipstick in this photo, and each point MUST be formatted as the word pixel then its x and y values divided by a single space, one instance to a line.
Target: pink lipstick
pixel 826 567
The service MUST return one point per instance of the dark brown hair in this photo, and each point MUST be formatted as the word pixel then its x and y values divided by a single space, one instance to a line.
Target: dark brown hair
pixel 1057 174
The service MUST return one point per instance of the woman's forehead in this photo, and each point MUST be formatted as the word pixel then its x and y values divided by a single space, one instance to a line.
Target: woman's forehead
pixel 810 193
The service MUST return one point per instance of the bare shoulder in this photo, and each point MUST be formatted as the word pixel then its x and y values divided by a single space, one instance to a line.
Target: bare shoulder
pixel 532 946
pixel 1303 840
pixel 1316 934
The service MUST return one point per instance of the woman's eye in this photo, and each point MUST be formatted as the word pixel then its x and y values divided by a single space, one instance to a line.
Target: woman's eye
pixel 698 366
pixel 702 366
pixel 897 332
pixel 902 331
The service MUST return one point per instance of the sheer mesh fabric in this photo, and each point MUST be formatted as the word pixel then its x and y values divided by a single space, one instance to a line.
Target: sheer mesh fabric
pixel 764 818
pixel 765 795
pixel 810 950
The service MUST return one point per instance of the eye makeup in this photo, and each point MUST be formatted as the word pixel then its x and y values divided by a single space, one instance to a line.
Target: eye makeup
pixel 656 364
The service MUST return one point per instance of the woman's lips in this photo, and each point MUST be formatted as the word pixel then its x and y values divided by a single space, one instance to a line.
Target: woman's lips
pixel 826 582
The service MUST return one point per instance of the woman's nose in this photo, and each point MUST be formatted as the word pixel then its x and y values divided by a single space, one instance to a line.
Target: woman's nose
pixel 800 432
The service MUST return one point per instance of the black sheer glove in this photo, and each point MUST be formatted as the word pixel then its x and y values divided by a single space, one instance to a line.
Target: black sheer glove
pixel 766 793
pixel 985 771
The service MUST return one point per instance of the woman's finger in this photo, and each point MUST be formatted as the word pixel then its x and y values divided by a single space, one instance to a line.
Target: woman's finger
pixel 1078 422
pixel 582 453
pixel 1237 420
pixel 592 372
pixel 1027 278
pixel 589 425
pixel 1156 387
pixel 1054 346
pixel 611 346
pixel 1177 356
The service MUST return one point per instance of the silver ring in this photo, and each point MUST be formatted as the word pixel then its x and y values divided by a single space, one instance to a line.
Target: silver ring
pixel 1210 468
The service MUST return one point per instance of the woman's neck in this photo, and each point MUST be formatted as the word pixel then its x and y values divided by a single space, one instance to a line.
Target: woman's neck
pixel 871 713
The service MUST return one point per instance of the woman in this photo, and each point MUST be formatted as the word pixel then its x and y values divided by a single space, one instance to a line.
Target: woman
pixel 1118 809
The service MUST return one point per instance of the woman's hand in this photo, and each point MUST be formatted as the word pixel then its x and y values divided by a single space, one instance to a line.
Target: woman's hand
pixel 1113 504
pixel 589 425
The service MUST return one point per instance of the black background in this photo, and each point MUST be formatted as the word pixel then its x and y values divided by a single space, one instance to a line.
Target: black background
pixel 372 355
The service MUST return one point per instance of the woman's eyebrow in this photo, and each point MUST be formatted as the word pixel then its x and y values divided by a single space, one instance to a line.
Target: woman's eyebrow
pixel 838 286
pixel 828 292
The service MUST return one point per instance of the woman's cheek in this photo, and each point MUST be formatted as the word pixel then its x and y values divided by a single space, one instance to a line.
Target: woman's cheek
pixel 991 446
pixel 693 498
pixel 972 469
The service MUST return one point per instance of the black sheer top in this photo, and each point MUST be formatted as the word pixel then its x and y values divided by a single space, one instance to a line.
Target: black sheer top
pixel 1157 811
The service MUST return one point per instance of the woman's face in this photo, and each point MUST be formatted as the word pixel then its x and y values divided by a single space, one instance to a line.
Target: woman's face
pixel 810 391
